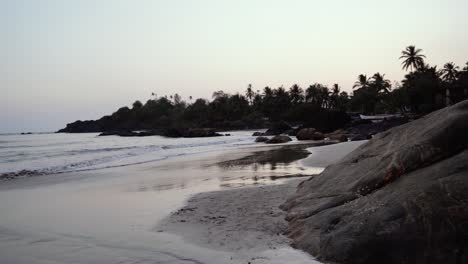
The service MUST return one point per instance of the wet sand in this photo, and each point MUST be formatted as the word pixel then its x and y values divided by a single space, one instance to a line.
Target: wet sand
pixel 247 219
pixel 112 215
pixel 115 215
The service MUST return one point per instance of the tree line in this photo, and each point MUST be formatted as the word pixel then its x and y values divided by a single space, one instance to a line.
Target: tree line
pixel 423 89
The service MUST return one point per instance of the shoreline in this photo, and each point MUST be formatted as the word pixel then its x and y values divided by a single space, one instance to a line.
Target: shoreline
pixel 245 219
pixel 92 211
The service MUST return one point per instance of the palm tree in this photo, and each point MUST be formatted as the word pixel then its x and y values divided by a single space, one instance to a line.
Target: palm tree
pixel 334 96
pixel 267 92
pixel 249 93
pixel 380 84
pixel 412 58
pixel 362 82
pixel 296 94
pixel 449 74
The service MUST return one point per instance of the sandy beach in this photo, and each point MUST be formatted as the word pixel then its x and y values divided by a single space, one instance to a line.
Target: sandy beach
pixel 216 207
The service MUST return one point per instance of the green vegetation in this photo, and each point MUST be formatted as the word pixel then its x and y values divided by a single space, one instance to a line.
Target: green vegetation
pixel 424 89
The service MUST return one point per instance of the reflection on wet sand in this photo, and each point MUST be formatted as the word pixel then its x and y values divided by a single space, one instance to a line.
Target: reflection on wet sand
pixel 266 165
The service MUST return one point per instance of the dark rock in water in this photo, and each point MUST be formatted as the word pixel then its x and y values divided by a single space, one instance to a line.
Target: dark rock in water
pixel 191 132
pixel 365 129
pixel 278 128
pixel 200 132
pixel 261 139
pixel 227 135
pixel 258 134
pixel 293 132
pixel 118 133
pixel 79 126
pixel 278 139
pixel 173 132
pixel 402 197
pixel 339 135
pixel 309 134
pixel 132 133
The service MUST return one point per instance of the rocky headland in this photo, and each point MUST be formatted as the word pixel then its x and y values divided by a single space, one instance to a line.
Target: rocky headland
pixel 399 198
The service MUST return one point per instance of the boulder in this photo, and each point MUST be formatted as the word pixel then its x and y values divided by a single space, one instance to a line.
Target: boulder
pixel 278 139
pixel 399 198
pixel 309 134
pixel 339 135
pixel 261 139
pixel 258 134
pixel 278 128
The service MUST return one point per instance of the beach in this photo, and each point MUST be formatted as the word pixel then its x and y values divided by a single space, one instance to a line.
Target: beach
pixel 209 207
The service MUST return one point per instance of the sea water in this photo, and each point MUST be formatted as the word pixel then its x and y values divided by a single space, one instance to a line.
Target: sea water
pixel 49 153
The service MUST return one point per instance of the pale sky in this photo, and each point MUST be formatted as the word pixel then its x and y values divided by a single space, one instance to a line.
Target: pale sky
pixel 65 60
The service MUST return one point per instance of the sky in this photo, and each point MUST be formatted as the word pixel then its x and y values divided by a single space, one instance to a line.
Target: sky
pixel 64 60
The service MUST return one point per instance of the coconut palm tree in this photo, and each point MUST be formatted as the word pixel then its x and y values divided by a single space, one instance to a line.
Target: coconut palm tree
pixel 296 94
pixel 362 82
pixel 449 74
pixel 334 96
pixel 380 84
pixel 249 93
pixel 413 58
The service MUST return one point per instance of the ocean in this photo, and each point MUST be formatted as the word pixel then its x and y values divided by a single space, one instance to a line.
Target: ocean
pixel 50 153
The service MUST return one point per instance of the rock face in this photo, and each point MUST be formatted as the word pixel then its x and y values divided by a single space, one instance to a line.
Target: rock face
pixel 278 139
pixel 309 134
pixel 402 197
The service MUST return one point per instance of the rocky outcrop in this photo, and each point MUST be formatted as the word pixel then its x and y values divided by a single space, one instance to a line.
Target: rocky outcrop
pixel 201 132
pixel 258 134
pixel 132 133
pixel 278 139
pixel 399 198
pixel 309 134
pixel 172 132
pixel 191 132
pixel 365 129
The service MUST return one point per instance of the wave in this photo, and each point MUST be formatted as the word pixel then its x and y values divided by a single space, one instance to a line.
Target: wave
pixel 69 157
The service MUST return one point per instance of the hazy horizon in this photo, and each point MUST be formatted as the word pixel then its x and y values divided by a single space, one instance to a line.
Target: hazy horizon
pixel 69 60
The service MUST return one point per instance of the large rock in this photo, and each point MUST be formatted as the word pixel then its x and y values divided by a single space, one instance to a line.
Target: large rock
pixel 261 139
pixel 278 139
pixel 402 197
pixel 309 134
pixel 339 135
